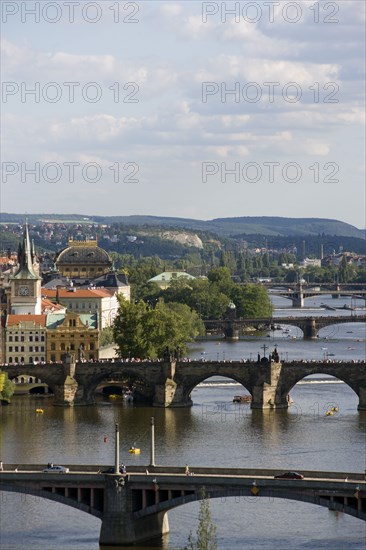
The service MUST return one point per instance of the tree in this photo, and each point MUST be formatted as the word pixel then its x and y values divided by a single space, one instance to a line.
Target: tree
pixel 143 331
pixel 206 538
pixel 106 337
pixel 128 330
pixel 7 389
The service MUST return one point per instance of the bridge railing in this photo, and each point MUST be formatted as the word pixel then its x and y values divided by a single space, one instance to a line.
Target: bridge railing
pixel 93 468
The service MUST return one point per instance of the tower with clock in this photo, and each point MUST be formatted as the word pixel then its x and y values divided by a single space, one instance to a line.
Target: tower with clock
pixel 25 285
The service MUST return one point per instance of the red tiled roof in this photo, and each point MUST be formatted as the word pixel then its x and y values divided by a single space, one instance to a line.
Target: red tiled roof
pixel 47 304
pixel 78 293
pixel 16 319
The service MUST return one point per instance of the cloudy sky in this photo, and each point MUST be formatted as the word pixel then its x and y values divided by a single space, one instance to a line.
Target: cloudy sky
pixel 189 109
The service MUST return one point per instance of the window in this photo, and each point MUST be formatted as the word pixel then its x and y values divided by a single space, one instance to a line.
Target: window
pixel 16 348
pixel 91 346
pixel 42 348
pixel 62 347
pixel 53 346
pixel 30 348
pixel 31 338
pixel 10 348
pixel 53 357
pixel 10 359
pixel 31 359
pixel 16 339
pixel 10 338
pixel 42 338
pixel 36 348
pixel 22 338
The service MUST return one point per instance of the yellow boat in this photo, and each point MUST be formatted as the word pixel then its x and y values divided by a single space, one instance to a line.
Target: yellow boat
pixel 134 450
pixel 39 411
pixel 329 413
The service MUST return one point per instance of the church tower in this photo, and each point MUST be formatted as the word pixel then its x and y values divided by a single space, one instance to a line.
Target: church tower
pixel 25 285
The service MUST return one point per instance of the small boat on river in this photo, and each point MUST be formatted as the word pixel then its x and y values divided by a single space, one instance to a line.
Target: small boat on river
pixel 134 451
pixel 242 399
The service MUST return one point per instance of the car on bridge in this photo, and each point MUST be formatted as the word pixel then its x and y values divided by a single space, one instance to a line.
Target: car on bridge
pixel 289 475
pixel 56 470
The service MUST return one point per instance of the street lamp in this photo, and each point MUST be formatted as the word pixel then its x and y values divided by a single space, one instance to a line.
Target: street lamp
pixel 116 450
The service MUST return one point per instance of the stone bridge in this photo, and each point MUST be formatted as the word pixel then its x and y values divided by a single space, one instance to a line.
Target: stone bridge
pixel 170 383
pixel 133 507
pixel 309 325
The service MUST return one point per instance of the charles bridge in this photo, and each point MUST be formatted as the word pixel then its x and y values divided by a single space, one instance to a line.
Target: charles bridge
pixel 168 383
pixel 133 507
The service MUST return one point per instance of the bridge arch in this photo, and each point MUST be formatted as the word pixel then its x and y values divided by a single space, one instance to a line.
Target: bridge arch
pixel 295 378
pixel 32 380
pixel 285 493
pixel 56 497
pixel 135 381
pixel 199 379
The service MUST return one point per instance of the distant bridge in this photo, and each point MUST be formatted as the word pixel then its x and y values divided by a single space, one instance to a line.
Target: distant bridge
pixel 134 507
pixel 170 383
pixel 297 292
pixel 309 325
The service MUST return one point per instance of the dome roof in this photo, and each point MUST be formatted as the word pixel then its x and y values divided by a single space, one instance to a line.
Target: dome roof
pixel 83 252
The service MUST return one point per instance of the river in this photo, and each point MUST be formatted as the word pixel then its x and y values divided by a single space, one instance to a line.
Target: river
pixel 213 432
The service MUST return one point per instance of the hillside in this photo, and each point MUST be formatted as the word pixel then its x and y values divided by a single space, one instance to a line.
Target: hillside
pixel 248 225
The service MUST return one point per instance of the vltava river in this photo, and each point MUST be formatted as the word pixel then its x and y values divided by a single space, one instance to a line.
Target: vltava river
pixel 214 432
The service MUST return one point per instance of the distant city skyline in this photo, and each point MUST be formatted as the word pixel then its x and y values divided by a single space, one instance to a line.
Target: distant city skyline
pixel 184 109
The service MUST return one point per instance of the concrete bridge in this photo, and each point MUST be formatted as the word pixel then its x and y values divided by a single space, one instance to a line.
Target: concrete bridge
pixel 133 507
pixel 309 325
pixel 297 292
pixel 170 383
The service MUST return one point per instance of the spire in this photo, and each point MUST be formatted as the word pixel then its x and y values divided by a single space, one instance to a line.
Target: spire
pixel 25 258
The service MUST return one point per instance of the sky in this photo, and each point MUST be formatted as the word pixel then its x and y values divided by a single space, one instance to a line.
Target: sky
pixel 186 109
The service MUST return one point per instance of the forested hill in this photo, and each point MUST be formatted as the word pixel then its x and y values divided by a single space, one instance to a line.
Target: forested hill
pixel 246 225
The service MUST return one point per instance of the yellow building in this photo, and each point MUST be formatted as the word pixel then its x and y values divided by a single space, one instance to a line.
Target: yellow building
pixel 83 259
pixel 73 333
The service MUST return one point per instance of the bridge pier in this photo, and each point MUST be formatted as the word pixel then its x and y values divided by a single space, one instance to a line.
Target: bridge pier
pixel 231 332
pixel 362 399
pixel 298 301
pixel 268 395
pixel 120 526
pixel 310 328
